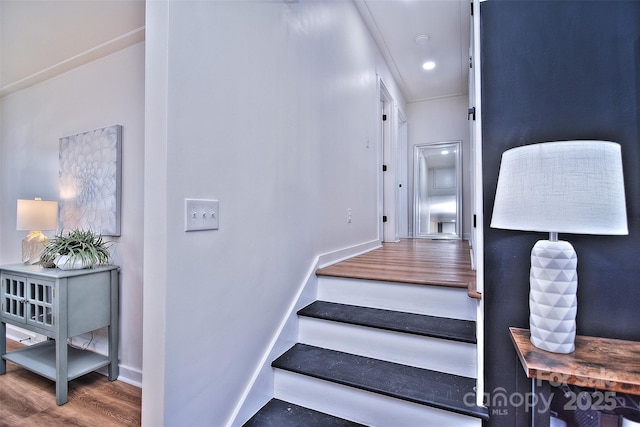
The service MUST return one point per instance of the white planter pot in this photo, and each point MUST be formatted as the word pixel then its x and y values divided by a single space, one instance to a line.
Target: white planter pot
pixel 63 263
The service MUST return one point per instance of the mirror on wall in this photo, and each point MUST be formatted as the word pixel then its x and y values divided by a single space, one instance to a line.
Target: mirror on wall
pixel 437 190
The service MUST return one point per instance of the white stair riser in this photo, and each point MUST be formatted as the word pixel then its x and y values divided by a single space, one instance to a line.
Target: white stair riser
pixel 361 406
pixel 424 352
pixel 422 299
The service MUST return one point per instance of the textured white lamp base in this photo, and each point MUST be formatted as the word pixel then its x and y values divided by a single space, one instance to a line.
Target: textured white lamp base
pixel 552 299
pixel 32 247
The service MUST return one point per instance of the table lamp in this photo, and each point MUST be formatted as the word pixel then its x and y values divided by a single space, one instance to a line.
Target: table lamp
pixel 34 216
pixel 559 187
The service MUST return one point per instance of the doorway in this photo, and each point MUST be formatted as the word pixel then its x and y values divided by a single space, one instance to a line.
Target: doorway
pixel 438 190
pixel 393 166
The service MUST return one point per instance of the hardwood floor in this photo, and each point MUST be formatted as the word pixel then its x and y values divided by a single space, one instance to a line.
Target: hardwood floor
pixel 417 261
pixel 27 399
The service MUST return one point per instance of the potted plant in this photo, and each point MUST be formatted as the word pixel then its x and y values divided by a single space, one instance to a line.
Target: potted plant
pixel 75 250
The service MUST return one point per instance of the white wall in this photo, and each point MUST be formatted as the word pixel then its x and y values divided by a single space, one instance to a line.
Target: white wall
pixel 271 108
pixel 441 120
pixel 104 92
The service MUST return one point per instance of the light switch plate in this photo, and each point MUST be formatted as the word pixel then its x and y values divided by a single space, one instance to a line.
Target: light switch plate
pixel 201 214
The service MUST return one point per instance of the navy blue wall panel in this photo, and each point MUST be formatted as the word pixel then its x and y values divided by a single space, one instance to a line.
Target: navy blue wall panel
pixel 558 70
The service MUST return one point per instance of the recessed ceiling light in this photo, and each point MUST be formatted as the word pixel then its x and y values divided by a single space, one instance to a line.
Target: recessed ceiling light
pixel 429 65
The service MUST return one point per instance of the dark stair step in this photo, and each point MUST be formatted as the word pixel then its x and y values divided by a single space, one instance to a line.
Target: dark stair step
pixel 419 324
pixel 278 413
pixel 423 386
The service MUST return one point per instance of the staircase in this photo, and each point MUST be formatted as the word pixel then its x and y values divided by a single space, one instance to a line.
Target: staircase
pixel 379 353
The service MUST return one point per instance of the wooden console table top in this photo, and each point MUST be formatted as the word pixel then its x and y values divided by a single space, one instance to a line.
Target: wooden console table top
pixel 601 363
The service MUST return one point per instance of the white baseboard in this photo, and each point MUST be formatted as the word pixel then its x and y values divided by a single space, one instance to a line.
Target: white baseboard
pixel 127 375
pixel 23 336
pixel 260 388
pixel 130 376
pixel 329 258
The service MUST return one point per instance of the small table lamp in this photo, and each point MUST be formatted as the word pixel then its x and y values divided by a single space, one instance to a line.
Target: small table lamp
pixel 559 187
pixel 35 216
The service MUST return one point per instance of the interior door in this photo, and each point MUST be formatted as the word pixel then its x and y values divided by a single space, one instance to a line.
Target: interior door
pixel 389 167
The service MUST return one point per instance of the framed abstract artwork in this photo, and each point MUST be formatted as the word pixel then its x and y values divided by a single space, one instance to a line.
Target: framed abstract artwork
pixel 89 181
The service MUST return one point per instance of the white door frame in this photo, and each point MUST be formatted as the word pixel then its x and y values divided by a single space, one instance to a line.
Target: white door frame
pixel 402 175
pixel 477 225
pixel 388 181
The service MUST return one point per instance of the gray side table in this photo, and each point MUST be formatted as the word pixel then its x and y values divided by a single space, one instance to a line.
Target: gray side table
pixel 59 304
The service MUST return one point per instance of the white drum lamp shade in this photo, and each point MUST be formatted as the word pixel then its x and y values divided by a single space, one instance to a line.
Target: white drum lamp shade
pixel 34 216
pixel 559 187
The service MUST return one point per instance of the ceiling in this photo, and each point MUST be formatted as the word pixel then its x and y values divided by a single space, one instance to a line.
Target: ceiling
pixel 395 24
pixel 42 38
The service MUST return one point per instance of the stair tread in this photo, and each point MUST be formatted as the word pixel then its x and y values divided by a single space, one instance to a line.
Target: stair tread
pixel 437 389
pixel 278 413
pixel 419 324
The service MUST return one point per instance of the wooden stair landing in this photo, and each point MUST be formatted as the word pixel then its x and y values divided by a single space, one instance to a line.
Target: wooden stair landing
pixel 415 261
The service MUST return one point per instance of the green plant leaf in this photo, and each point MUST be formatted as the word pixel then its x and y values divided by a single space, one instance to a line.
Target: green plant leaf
pixel 85 245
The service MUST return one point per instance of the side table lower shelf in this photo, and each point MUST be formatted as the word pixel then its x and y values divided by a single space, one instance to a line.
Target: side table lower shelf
pixel 41 359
